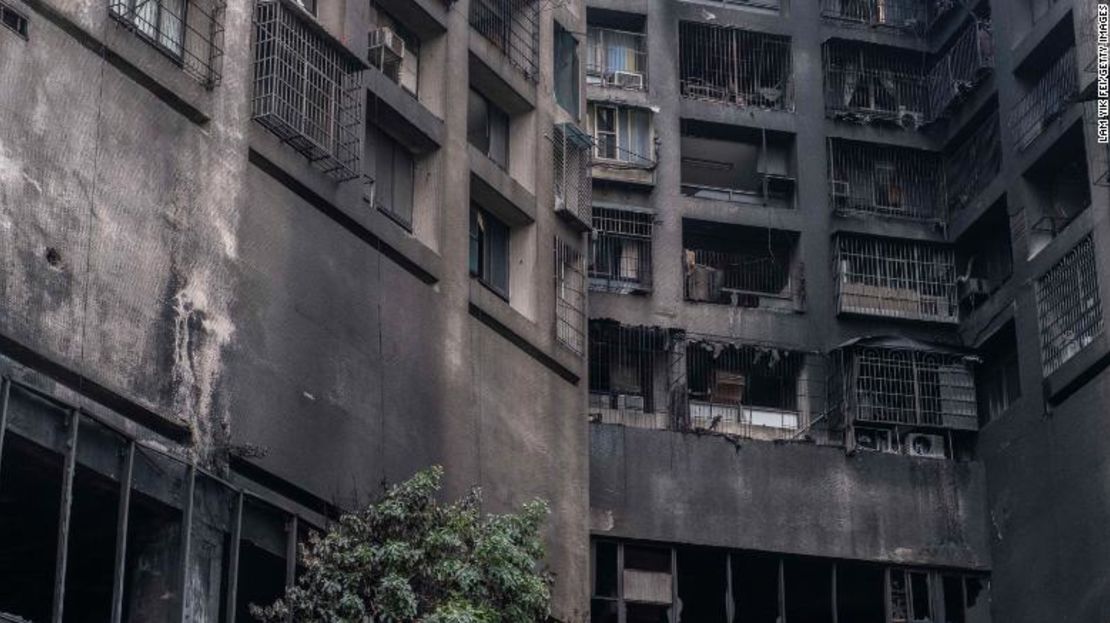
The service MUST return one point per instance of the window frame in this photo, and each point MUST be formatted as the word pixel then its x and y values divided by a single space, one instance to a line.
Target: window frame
pixel 482 253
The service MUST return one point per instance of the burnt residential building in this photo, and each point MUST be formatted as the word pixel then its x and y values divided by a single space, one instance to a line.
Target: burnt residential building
pixel 846 346
pixel 261 256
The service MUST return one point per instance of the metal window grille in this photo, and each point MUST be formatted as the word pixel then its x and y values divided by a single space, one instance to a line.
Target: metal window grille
pixel 307 88
pixel 734 66
pixel 868 84
pixel 512 26
pixel 913 16
pixel 966 63
pixel 570 296
pixel 616 58
pixel 866 178
pixel 749 390
pixel 1068 306
pixel 895 278
pixel 743 267
pixel 1046 101
pixel 973 164
pixel 621 258
pixel 628 375
pixel 190 32
pixel 907 386
pixel 572 185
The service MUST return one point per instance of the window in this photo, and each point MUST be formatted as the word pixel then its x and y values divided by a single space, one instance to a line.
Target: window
pixel 741 266
pixel 489 250
pixel 1068 306
pixel 13 20
pixel 487 128
pixel 616 57
pixel 621 250
pixel 566 70
pixel 404 69
pixel 624 365
pixel 896 278
pixel 741 165
pixel 622 134
pixel 874 84
pixel 570 297
pixel 734 66
pixel 161 21
pixel 910 597
pixel 512 26
pixel 392 167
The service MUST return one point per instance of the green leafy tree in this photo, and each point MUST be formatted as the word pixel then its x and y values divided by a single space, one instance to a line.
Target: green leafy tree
pixel 410 558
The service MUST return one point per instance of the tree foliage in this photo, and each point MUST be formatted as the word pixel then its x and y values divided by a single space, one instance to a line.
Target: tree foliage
pixel 410 558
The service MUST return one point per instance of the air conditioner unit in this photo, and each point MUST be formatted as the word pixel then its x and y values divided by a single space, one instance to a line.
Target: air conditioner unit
pixel 873 440
pixel 386 43
pixel 910 119
pixel 924 445
pixel 628 79
pixel 630 402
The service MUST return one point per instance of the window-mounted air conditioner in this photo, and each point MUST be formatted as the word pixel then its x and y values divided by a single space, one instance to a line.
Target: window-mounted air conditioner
pixel 388 44
pixel 924 445
pixel 873 439
pixel 628 79
pixel 910 119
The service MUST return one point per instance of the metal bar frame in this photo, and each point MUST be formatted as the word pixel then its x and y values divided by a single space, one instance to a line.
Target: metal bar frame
pixel 61 556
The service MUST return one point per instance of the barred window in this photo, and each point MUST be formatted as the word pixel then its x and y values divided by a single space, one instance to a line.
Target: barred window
pixel 572 186
pixel 870 83
pixel 912 387
pixel 895 278
pixel 307 89
pixel 512 26
pixel 1068 306
pixel 570 297
pixel 866 178
pixel 1049 98
pixel 621 258
pixel 734 66
pixel 190 32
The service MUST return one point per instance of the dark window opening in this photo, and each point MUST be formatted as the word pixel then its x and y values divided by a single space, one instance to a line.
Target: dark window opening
pixel 866 178
pixel 489 250
pixel 262 558
pixel 487 128
pixel 13 20
pixel 953 587
pixel 1060 186
pixel 999 378
pixel 742 165
pixel 621 258
pixel 565 73
pixel 741 266
pixel 702 585
pixel 859 593
pixel 605 569
pixel 393 170
pixel 808 586
pixel 152 587
pixel 755 587
pixel 984 258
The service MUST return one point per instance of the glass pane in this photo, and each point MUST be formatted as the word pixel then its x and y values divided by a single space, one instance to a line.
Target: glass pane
pixel 499 137
pixel 477 121
pixel 497 241
pixel 403 172
pixel 383 170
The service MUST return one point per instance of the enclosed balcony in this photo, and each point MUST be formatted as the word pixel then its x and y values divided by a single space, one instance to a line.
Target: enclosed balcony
pixel 873 179
pixel 307 88
pixel 1048 97
pixel 734 66
pixel 973 163
pixel 190 32
pixel 572 186
pixel 628 375
pixel 736 164
pixel 742 266
pixel 1069 306
pixel 908 16
pixel 966 62
pixel 621 258
pixel 512 26
pixel 875 84
pixel 892 278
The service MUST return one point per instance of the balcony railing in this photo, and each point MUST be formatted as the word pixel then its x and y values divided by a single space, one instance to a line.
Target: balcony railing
pixel 895 279
pixel 973 164
pixel 512 26
pixel 616 58
pixel 191 32
pixel 734 66
pixel 743 279
pixel 963 67
pixel 621 258
pixel 307 88
pixel 867 178
pixel 1069 306
pixel 1049 98
pixel 908 15
pixel 865 85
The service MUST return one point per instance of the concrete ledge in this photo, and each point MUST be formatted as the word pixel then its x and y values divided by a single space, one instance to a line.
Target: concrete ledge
pixel 495 190
pixel 402 116
pixel 1022 52
pixel 494 76
pixel 854 31
pixel 887 227
pixel 615 95
pixel 749 214
pixel 882 134
pixel 425 18
pixel 619 173
pixel 727 114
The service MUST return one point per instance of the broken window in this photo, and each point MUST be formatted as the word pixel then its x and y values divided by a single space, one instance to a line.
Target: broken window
pixel 756 583
pixel 153 585
pixel 702 584
pixel 565 72
pixel 741 266
pixel 973 163
pixel 572 186
pixel 859 593
pixel 616 50
pixel 968 59
pixel 751 391
pixel 869 83
pixel 743 165
pixel 489 250
pixel 895 278
pixel 1069 307
pixel 621 257
pixel 999 377
pixel 627 368
pixel 487 128
pixel 570 297
pixel 512 26
pixel 308 89
pixel 1048 97
pixel 263 557
pixel 13 20
pixel 1060 189
pixel 735 66
pixel 910 597
pixel 621 135
pixel 392 168
pixel 394 50
pixel 867 178
pixel 808 586
pixel 984 258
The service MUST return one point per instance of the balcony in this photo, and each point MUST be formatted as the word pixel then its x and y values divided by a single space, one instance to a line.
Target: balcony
pixel 572 186
pixel 959 70
pixel 307 88
pixel 1046 101
pixel 737 165
pixel 895 279
pixel 736 67
pixel 741 266
pixel 616 58
pixel 189 32
pixel 512 26
pixel 870 179
pixel 871 84
pixel 1069 306
pixel 628 375
pixel 973 164
pixel 621 251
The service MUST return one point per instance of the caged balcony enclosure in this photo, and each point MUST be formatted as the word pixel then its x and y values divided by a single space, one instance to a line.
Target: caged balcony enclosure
pixel 967 61
pixel 873 84
pixel 307 88
pixel 1049 97
pixel 973 164
pixel 742 266
pixel 734 66
pixel 621 256
pixel 1069 306
pixel 895 279
pixel 911 16
pixel 189 32
pixel 572 185
pixel 867 178
pixel 512 26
